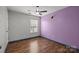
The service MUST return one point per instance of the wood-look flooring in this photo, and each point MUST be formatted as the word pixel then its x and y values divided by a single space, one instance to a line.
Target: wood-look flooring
pixel 37 45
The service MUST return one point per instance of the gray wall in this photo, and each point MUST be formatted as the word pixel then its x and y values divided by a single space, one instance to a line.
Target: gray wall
pixel 19 25
pixel 3 28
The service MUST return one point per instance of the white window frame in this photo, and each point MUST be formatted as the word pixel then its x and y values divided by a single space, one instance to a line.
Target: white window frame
pixel 33 26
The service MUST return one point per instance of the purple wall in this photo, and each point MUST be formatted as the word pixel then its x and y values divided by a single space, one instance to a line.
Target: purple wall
pixel 63 28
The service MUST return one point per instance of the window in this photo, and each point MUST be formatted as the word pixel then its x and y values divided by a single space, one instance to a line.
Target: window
pixel 33 26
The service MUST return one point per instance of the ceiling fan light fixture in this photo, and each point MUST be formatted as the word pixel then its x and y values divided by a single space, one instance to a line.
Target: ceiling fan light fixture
pixel 37 10
pixel 37 13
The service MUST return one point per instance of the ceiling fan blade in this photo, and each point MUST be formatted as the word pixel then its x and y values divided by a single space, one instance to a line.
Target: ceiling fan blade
pixel 40 14
pixel 44 11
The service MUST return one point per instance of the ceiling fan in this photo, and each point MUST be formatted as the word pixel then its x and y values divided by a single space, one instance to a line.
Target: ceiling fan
pixel 40 12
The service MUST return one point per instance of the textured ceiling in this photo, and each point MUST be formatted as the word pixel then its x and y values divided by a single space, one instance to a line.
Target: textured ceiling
pixel 32 9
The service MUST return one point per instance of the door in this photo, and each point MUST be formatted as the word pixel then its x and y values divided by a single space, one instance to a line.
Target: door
pixel 3 29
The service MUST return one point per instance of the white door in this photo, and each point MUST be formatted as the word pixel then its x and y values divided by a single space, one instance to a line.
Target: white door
pixel 3 29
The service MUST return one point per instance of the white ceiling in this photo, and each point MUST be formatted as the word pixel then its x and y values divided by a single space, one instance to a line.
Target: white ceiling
pixel 32 9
